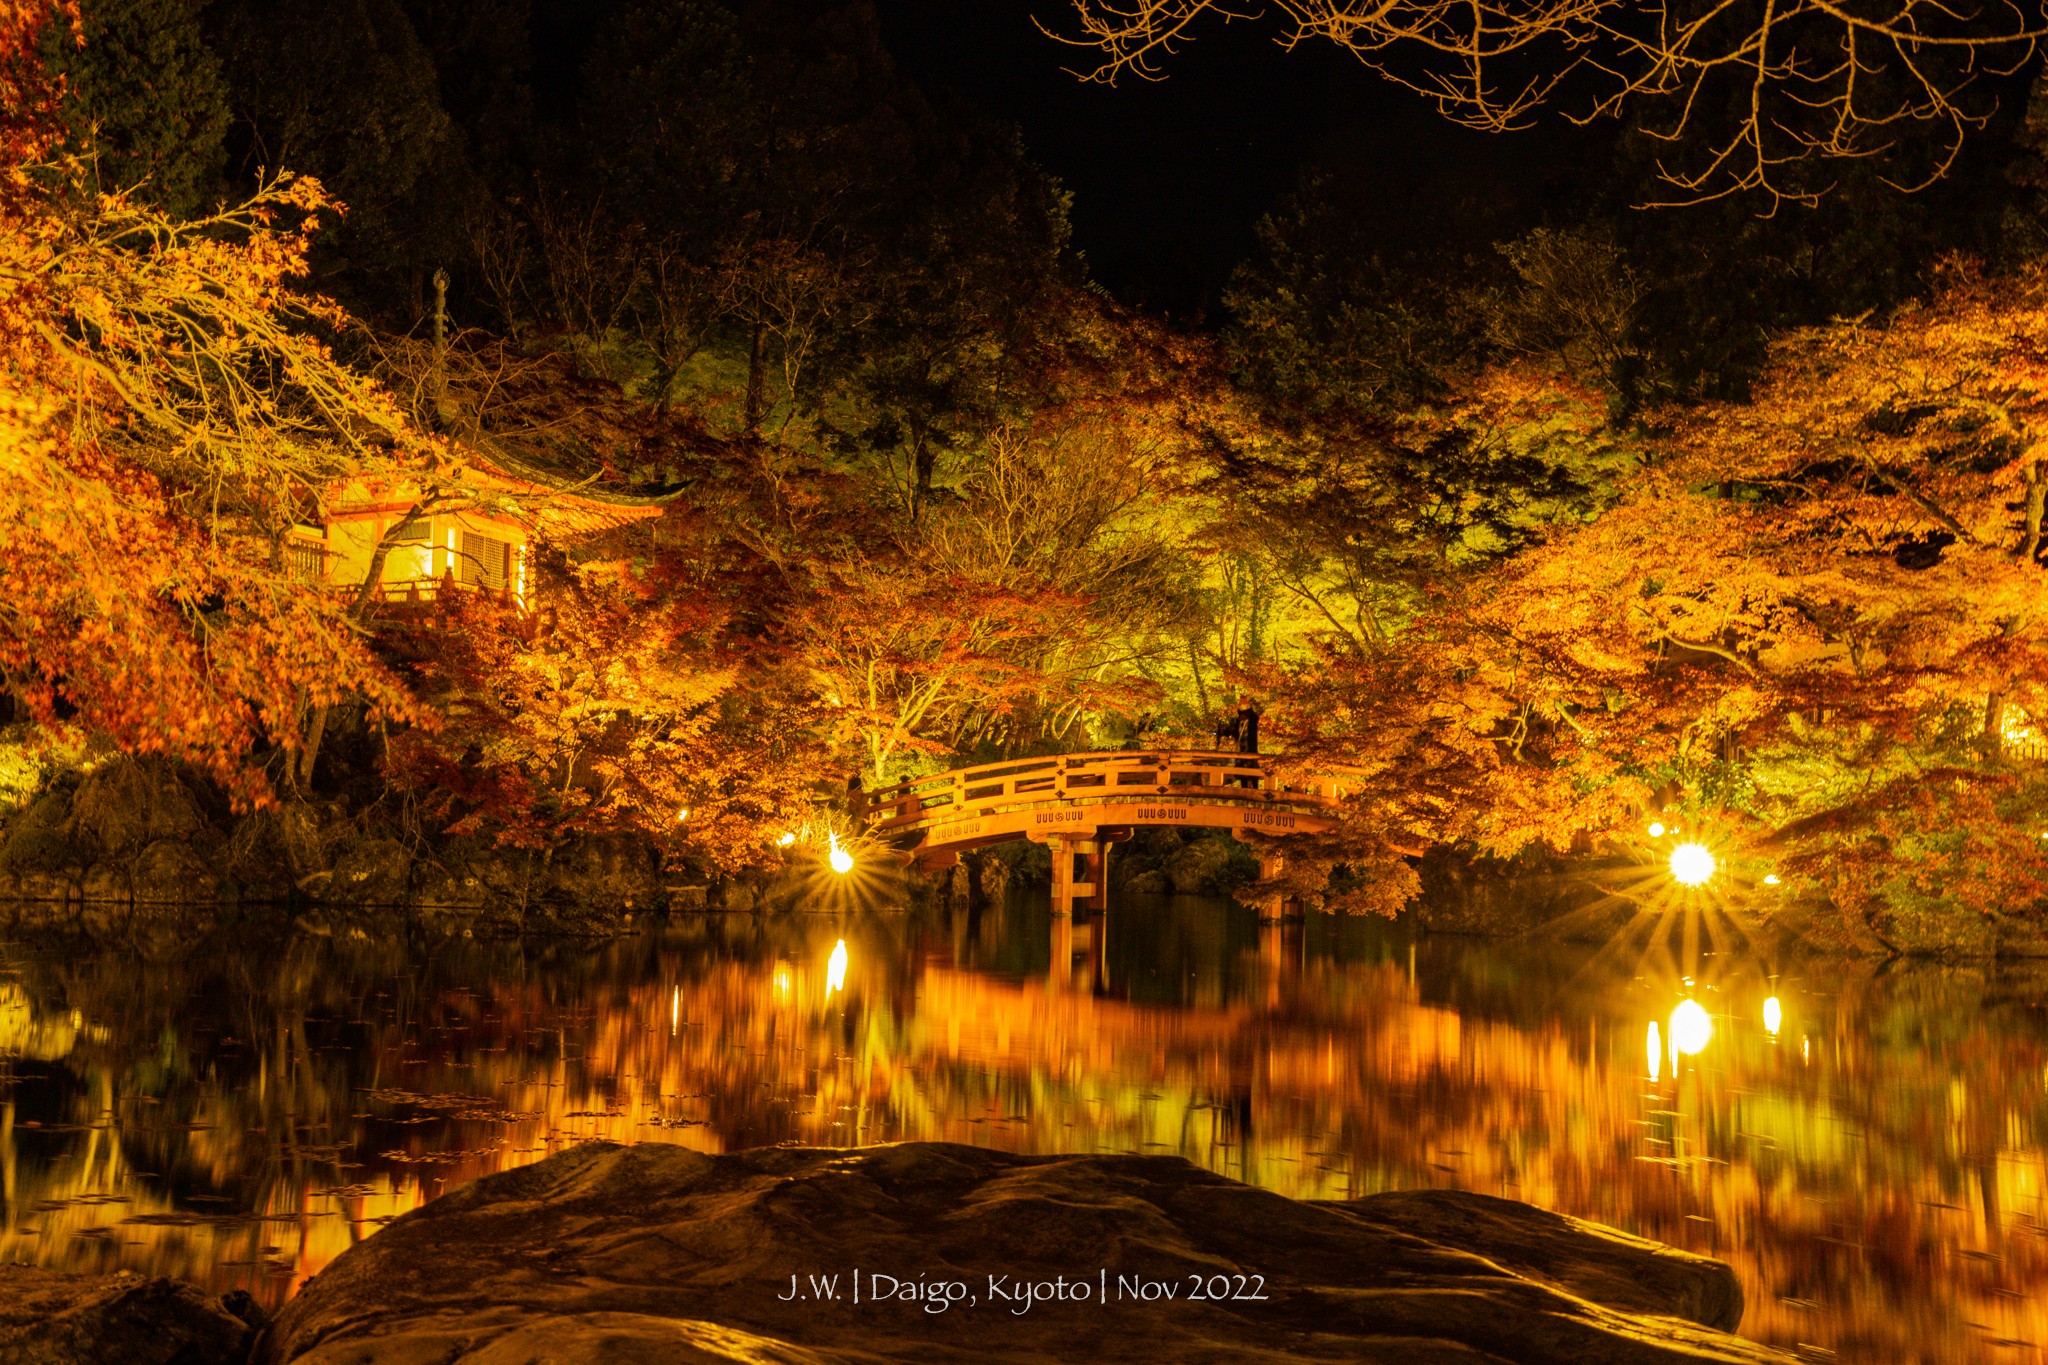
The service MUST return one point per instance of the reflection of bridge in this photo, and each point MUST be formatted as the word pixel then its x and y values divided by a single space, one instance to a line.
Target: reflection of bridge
pixel 1079 804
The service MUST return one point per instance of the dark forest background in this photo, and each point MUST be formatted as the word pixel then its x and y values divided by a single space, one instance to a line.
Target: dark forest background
pixel 585 165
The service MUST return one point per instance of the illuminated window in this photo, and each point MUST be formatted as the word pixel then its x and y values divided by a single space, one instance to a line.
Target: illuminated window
pixel 486 560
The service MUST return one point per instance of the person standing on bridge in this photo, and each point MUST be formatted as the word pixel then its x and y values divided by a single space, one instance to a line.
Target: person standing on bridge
pixel 1247 726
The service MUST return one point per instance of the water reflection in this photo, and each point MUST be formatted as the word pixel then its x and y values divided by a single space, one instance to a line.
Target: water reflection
pixel 243 1115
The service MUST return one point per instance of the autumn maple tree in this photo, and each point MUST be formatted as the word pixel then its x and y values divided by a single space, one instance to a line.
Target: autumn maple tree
pixel 1811 623
pixel 616 705
pixel 168 413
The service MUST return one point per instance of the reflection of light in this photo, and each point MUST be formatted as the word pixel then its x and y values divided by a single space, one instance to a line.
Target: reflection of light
pixel 1655 1044
pixel 682 815
pixel 841 860
pixel 783 982
pixel 1770 879
pixel 1656 829
pixel 1774 1015
pixel 835 969
pixel 785 841
pixel 675 1010
pixel 1691 864
pixel 1691 1028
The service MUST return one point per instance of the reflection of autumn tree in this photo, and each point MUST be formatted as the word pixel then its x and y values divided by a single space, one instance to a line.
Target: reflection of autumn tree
pixel 1896 1123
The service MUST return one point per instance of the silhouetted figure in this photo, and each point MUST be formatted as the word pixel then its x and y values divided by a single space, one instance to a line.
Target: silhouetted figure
pixel 1226 731
pixel 1246 726
pixel 856 801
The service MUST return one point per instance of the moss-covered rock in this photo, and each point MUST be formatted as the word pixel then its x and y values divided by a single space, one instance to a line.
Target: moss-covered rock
pixel 127 804
pixel 617 869
pixel 370 871
pixel 171 872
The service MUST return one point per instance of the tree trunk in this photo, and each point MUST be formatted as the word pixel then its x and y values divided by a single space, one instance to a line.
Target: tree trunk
pixel 664 384
pixel 437 376
pixel 757 377
pixel 316 730
pixel 367 593
pixel 922 460
pixel 2037 502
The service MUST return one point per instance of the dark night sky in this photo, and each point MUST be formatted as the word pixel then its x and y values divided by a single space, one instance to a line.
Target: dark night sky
pixel 1170 177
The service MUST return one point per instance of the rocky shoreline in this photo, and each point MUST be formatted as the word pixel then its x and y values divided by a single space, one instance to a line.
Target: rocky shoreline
pixel 142 852
pixel 655 1253
pixel 134 840
pixel 138 849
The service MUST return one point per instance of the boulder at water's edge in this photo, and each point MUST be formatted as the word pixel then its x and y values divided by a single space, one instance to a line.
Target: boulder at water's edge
pixel 653 1253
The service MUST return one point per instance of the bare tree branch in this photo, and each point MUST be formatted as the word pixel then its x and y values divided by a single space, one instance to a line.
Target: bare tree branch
pixel 1797 80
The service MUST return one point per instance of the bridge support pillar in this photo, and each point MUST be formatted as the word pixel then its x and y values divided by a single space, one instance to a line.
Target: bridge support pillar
pixel 1062 853
pixel 1094 864
pixel 1080 872
pixel 1273 906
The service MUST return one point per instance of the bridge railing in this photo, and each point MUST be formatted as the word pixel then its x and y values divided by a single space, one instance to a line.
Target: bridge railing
pixel 1080 776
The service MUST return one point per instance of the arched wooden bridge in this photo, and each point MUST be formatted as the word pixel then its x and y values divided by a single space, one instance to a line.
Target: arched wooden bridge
pixel 1079 804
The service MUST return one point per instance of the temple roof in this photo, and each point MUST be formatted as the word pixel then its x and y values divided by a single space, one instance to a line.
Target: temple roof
pixel 501 488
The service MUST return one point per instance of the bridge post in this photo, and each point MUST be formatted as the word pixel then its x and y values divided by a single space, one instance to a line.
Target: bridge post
pixel 1089 883
pixel 1062 851
pixel 1273 906
pixel 1095 860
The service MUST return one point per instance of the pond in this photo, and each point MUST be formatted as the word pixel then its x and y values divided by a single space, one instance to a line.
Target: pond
pixel 1870 1152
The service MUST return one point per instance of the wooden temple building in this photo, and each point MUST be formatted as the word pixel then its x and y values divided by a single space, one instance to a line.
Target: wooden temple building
pixel 476 531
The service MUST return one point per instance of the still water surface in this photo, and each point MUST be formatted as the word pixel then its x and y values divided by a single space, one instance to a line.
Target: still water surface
pixel 1874 1167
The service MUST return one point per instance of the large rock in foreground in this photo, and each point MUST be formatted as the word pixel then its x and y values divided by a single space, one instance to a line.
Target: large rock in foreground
pixel 646 1254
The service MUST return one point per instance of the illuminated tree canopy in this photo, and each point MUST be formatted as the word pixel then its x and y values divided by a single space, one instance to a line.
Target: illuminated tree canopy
pixel 1536 524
